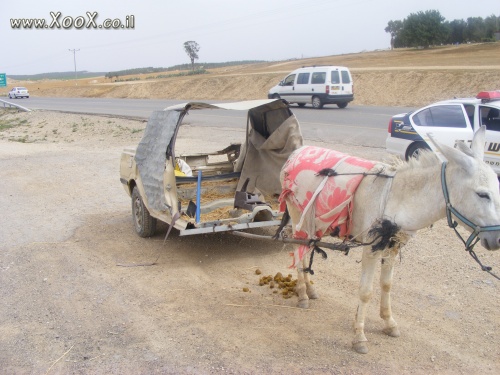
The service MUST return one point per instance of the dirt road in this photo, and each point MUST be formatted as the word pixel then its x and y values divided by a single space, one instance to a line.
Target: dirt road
pixel 67 308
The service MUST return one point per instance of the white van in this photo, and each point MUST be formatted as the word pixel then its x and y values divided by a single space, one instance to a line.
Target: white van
pixel 316 85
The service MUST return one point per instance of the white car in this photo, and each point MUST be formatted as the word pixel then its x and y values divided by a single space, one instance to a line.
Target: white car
pixel 19 92
pixel 448 121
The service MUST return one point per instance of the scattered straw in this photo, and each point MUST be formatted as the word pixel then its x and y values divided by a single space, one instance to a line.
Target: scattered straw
pixel 58 359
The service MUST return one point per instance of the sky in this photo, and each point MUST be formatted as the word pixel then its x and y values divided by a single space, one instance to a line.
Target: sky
pixel 225 30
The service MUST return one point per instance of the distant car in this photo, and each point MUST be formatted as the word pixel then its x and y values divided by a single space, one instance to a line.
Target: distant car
pixel 19 92
pixel 448 121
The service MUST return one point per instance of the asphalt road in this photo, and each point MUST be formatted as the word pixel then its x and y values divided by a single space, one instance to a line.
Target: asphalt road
pixel 357 125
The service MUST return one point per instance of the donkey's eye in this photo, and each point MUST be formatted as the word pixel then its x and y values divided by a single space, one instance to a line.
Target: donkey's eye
pixel 483 195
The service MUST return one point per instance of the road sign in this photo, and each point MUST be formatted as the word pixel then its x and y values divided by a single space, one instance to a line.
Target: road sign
pixel 3 80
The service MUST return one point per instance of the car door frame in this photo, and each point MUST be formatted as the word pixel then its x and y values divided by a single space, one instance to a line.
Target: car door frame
pixel 447 135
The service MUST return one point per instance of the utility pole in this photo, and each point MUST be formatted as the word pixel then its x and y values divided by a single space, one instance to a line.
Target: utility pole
pixel 74 59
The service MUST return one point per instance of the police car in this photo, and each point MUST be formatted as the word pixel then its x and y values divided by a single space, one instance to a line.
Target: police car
pixel 448 121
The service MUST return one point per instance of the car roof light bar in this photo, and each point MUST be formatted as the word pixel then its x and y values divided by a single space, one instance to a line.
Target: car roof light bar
pixel 487 96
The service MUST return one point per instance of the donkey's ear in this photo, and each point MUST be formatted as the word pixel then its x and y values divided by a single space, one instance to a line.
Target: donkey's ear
pixel 464 148
pixel 478 141
pixel 464 159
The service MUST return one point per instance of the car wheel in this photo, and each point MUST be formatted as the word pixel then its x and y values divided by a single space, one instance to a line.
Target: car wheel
pixel 144 223
pixel 317 103
pixel 10 97
pixel 342 105
pixel 276 96
pixel 301 104
pixel 415 149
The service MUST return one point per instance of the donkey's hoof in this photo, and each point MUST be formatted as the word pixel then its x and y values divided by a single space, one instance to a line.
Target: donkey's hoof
pixel 303 303
pixel 360 347
pixel 312 294
pixel 392 331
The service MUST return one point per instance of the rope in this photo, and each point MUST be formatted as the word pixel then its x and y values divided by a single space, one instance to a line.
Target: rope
pixel 483 267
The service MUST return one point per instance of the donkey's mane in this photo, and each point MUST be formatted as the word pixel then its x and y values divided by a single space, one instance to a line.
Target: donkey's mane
pixel 425 159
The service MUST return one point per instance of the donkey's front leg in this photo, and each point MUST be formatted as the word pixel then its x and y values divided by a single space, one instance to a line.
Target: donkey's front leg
pixel 368 264
pixel 391 327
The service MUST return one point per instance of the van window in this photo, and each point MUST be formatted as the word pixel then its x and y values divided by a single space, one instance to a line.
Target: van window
pixel 303 78
pixel 335 77
pixel 288 81
pixel 318 77
pixel 345 77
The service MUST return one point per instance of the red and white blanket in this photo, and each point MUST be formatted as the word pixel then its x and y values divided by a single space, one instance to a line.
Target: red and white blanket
pixel 325 202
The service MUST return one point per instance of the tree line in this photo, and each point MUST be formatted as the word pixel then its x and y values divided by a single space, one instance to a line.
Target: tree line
pixel 424 29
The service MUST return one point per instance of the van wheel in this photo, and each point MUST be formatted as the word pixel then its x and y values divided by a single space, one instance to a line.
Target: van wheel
pixel 317 103
pixel 301 104
pixel 144 223
pixel 276 96
pixel 342 105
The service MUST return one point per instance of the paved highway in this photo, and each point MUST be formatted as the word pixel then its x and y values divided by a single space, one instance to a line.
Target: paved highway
pixel 357 125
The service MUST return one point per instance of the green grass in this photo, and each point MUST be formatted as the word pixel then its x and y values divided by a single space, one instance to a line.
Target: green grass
pixel 9 123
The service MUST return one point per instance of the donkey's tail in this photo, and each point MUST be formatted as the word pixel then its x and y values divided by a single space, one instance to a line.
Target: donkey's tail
pixel 284 221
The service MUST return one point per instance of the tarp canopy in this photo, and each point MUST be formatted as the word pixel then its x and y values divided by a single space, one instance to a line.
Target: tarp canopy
pixel 151 156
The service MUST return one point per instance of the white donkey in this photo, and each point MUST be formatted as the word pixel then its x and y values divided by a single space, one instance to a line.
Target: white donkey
pixel 412 198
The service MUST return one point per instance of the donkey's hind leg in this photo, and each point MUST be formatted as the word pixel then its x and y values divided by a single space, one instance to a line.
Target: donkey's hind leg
pixel 386 273
pixel 301 287
pixel 310 289
pixel 304 288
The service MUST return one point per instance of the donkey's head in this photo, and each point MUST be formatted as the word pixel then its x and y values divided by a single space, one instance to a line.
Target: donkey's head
pixel 473 189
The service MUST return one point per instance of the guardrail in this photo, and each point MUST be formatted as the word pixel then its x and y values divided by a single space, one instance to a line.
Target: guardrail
pixel 6 103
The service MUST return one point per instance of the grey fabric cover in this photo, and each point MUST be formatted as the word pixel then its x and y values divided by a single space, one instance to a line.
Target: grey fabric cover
pixel 150 155
pixel 264 158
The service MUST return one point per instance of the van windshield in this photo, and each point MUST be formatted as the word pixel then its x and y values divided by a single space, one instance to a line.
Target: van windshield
pixel 288 81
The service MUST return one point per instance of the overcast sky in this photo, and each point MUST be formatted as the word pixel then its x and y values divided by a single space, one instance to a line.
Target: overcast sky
pixel 226 30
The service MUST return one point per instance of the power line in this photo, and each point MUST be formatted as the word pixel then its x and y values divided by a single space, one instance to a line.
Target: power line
pixel 74 59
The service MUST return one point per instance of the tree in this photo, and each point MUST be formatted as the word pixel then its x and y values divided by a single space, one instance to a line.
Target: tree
pixel 491 25
pixel 394 28
pixel 475 30
pixel 192 48
pixel 456 31
pixel 424 29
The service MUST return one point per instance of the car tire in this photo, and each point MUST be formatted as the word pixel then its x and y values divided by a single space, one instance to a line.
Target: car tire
pixel 316 102
pixel 276 96
pixel 342 105
pixel 144 223
pixel 415 149
pixel 301 104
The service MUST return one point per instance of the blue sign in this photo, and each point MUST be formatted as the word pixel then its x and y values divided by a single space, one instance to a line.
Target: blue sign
pixel 3 80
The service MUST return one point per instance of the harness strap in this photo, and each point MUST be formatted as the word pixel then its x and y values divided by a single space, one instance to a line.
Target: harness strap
pixel 316 193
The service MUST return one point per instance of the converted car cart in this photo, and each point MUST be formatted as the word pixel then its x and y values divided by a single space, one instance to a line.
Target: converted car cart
pixel 232 189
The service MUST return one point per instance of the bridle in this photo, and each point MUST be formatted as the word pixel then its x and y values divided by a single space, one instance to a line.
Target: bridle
pixel 476 229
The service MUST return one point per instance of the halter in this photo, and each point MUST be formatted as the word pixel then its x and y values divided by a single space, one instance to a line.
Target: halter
pixel 476 229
